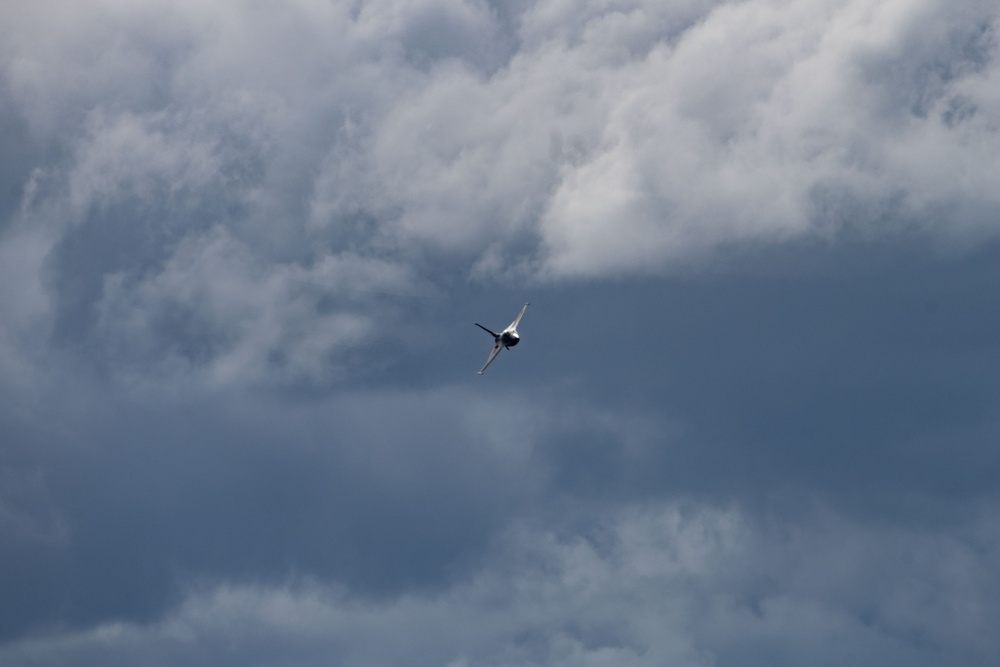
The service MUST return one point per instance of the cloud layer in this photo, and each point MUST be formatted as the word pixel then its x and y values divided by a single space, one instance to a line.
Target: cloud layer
pixel 538 140
pixel 645 586
pixel 543 141
pixel 242 246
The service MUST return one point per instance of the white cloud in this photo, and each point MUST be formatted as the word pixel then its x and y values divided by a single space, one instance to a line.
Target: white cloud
pixel 632 138
pixel 214 313
pixel 560 141
pixel 141 157
pixel 619 136
pixel 728 135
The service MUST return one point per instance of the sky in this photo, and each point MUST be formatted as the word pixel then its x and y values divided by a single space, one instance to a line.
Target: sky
pixel 753 417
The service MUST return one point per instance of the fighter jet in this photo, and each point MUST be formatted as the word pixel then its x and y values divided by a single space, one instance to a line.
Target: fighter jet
pixel 507 338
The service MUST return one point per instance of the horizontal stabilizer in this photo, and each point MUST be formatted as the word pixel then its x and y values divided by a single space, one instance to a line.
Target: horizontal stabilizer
pixel 495 335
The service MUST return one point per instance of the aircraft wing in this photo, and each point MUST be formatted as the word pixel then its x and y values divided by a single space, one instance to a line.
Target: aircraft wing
pixel 513 325
pixel 493 355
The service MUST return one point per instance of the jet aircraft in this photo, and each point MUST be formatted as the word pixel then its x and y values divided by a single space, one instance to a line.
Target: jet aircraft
pixel 507 338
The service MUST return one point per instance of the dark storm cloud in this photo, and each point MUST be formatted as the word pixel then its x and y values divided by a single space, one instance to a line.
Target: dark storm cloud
pixel 653 584
pixel 243 246
pixel 821 514
pixel 241 490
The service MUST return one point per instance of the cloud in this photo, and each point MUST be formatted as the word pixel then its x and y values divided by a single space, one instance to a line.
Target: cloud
pixel 242 247
pixel 540 142
pixel 674 582
pixel 25 304
pixel 735 132
pixel 628 135
pixel 215 312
